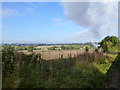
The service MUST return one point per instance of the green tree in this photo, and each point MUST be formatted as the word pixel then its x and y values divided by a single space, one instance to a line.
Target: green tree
pixel 63 47
pixel 108 43
pixel 114 40
pixel 30 49
pixel 8 59
pixel 86 49
pixel 52 48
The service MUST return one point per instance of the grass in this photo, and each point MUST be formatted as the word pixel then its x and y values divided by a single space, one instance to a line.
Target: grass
pixel 104 66
pixel 88 70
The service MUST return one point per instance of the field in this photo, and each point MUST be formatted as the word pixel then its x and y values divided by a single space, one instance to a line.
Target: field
pixel 68 67
pixel 30 71
pixel 47 54
pixel 59 54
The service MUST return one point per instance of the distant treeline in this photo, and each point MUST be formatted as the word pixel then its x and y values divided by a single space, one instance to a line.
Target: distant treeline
pixel 45 44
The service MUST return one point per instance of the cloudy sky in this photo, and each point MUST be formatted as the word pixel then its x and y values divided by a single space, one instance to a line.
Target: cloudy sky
pixel 58 22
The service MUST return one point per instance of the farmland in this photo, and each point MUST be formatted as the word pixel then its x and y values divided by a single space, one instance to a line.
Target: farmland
pixel 51 54
pixel 58 54
pixel 72 66
pixel 60 44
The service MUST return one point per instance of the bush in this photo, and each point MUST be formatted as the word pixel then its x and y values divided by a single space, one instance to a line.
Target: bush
pixel 30 48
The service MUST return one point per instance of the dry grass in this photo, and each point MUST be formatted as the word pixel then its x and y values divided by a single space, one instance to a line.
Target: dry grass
pixel 55 54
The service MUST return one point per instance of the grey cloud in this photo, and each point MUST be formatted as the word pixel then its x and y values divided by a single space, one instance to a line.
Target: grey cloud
pixel 83 13
pixel 97 17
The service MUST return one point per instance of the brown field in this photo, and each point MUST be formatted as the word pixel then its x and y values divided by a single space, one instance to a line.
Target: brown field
pixel 55 54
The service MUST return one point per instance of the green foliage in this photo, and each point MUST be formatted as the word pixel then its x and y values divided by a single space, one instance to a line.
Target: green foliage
pixel 109 44
pixel 103 68
pixel 8 59
pixel 30 77
pixel 63 47
pixel 10 72
pixel 70 47
pixel 26 71
pixel 30 48
pixel 53 48
pixel 86 49
pixel 87 76
pixel 20 48
pixel 114 40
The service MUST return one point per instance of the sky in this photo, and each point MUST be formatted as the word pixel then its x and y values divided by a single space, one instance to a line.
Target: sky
pixel 58 22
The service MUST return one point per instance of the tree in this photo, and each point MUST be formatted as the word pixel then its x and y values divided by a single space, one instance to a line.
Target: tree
pixel 108 43
pixel 63 47
pixel 8 59
pixel 114 40
pixel 86 49
pixel 30 49
pixel 52 48
pixel 96 50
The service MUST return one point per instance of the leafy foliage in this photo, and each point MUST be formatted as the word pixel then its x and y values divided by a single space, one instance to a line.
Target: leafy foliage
pixel 31 72
pixel 53 48
pixel 109 44
pixel 30 48
pixel 86 49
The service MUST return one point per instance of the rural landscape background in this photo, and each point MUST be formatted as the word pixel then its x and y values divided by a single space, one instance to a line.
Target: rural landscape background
pixel 60 45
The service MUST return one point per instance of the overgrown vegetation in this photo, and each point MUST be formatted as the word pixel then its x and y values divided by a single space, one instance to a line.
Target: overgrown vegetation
pixel 87 70
pixel 32 73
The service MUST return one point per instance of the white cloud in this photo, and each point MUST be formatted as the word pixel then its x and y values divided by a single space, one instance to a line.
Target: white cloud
pixel 99 18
